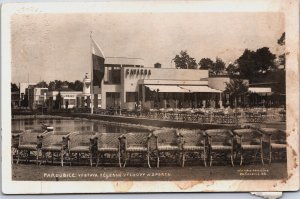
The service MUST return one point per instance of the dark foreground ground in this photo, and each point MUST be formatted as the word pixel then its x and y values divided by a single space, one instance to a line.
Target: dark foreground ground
pixel 31 172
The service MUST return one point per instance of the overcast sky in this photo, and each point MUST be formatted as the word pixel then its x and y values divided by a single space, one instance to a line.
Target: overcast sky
pixel 57 46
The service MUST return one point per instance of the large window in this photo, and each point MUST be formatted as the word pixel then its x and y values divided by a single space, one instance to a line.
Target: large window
pixel 131 96
pixel 112 99
pixel 71 101
pixel 113 74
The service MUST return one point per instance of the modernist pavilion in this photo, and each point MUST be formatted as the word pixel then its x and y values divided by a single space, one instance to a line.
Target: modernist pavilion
pixel 127 83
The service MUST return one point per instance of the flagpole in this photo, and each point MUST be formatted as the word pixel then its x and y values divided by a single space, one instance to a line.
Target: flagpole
pixel 92 87
pixel 28 89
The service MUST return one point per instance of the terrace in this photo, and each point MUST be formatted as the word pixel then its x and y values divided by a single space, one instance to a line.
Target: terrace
pixel 201 115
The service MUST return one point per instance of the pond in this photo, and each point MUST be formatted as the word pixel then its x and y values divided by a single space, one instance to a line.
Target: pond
pixel 71 125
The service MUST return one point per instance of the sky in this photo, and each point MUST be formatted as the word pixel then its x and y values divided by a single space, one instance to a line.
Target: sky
pixel 57 46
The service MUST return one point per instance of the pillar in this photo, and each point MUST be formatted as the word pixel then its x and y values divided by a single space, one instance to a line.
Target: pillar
pixel 88 101
pixel 82 102
pixel 143 95
pixel 103 100
pixel 221 101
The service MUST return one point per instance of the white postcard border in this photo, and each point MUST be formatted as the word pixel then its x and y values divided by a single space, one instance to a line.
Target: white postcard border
pixel 289 7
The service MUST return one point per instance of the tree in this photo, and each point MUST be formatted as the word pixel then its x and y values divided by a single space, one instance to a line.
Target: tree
pixel 246 64
pixel 14 87
pixel 71 85
pixel 218 67
pixel 282 60
pixel 265 60
pixel 253 64
pixel 232 70
pixel 281 42
pixel 78 85
pixel 235 88
pixel 184 61
pixel 42 84
pixel 58 84
pixel 51 86
pixel 157 65
pixel 206 64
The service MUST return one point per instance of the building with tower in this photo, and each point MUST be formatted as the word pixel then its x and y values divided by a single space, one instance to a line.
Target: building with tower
pixel 66 98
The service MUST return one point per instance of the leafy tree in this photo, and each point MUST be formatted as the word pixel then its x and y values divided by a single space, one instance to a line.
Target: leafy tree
pixel 232 70
pixel 65 84
pixel 42 84
pixel 14 87
pixel 282 60
pixel 246 64
pixel 157 65
pixel 218 67
pixel 235 88
pixel 265 60
pixel 58 84
pixel 206 63
pixel 51 86
pixel 71 85
pixel 78 85
pixel 184 61
pixel 252 64
pixel 281 42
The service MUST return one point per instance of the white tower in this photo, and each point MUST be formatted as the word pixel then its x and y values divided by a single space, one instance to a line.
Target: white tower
pixel 86 85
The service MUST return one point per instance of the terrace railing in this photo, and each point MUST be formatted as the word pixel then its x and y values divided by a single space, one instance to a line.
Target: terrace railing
pixel 208 115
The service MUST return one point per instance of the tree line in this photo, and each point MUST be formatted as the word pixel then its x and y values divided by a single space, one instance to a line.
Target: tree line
pixel 261 67
pixel 77 85
pixel 252 64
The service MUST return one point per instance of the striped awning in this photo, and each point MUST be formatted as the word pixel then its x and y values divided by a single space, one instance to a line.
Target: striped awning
pixel 182 89
pixel 200 89
pixel 166 88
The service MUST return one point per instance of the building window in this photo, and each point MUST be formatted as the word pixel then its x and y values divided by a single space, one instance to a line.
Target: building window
pixel 112 99
pixel 72 102
pixel 113 75
pixel 116 76
pixel 131 96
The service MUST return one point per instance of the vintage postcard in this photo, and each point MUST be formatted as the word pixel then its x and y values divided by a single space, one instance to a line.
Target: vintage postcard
pixel 171 96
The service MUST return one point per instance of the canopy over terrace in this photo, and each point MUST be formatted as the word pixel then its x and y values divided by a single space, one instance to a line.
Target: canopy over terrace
pixel 166 88
pixel 200 89
pixel 263 96
pixel 260 89
pixel 185 96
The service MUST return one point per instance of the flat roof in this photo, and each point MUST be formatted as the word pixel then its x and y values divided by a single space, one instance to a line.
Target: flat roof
pixel 171 82
pixel 124 61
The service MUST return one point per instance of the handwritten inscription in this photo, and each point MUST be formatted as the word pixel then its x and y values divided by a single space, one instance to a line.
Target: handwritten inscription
pixel 253 172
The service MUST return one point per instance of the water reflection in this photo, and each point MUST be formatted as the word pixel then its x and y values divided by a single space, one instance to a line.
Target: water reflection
pixel 74 125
